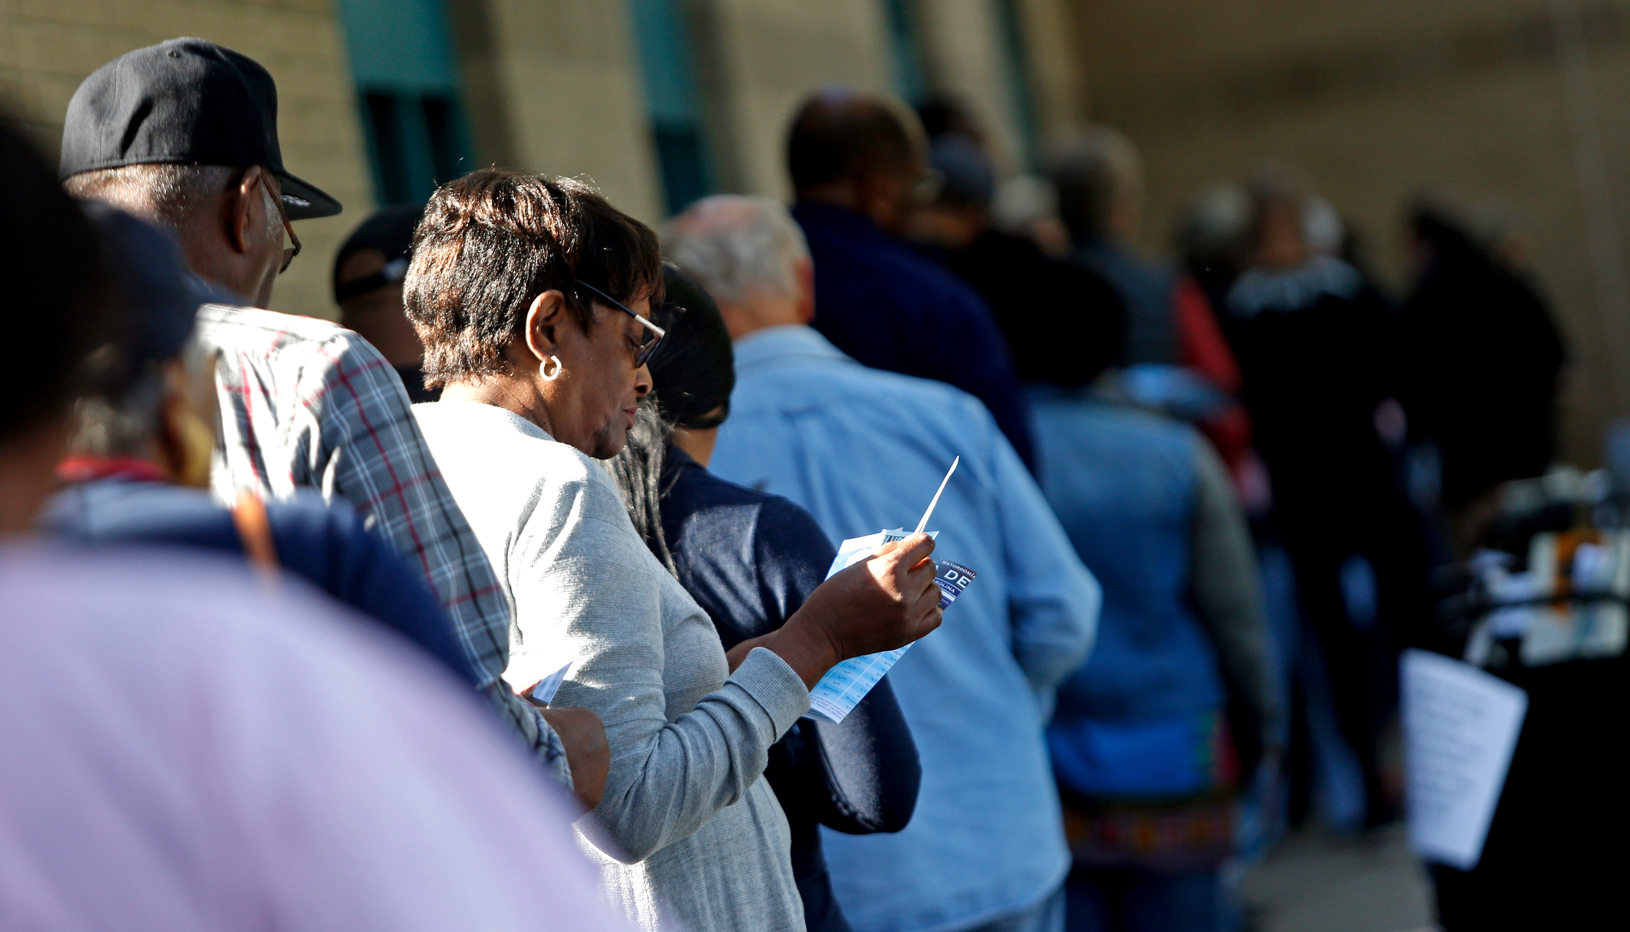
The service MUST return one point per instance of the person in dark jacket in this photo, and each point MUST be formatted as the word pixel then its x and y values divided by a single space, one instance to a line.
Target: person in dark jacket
pixel 1320 348
pixel 138 472
pixel 1047 307
pixel 858 168
pixel 1485 365
pixel 750 559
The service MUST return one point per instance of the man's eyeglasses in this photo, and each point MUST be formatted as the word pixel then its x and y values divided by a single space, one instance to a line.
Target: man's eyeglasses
pixel 653 334
pixel 293 249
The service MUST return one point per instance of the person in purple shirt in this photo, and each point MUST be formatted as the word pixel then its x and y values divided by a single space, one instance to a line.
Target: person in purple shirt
pixel 859 169
pixel 191 749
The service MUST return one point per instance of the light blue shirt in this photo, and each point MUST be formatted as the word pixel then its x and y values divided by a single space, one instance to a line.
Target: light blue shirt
pixel 863 450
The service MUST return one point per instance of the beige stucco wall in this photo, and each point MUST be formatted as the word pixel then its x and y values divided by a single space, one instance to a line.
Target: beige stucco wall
pixel 553 87
pixel 48 46
pixel 1058 91
pixel 966 59
pixel 761 58
pixel 1378 100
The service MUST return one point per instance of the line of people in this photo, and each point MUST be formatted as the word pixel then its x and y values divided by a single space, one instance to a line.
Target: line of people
pixel 484 528
pixel 547 441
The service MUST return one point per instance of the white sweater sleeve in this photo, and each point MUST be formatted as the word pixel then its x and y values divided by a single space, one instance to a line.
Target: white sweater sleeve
pixel 587 590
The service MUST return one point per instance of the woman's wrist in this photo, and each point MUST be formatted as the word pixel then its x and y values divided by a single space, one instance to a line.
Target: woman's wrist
pixel 805 649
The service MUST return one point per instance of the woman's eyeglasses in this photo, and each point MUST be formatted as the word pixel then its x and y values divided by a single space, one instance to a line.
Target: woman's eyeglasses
pixel 293 249
pixel 653 333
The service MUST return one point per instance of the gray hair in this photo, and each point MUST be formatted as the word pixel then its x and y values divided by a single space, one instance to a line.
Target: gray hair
pixel 164 193
pixel 734 243
pixel 1093 169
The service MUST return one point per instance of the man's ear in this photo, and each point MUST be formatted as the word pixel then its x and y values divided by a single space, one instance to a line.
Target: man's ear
pixel 241 211
pixel 871 196
pixel 543 319
pixel 804 272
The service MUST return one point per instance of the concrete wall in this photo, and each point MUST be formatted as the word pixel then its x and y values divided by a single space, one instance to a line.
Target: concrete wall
pixel 1522 100
pixel 550 85
pixel 761 58
pixel 967 58
pixel 553 87
pixel 48 46
pixel 1058 89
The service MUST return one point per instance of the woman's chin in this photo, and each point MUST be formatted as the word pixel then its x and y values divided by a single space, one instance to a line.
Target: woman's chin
pixel 609 442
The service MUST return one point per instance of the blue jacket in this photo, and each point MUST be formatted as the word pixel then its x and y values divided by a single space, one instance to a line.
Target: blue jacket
pixel 889 306
pixel 864 450
pixel 750 559
pixel 1123 486
pixel 1148 505
pixel 326 545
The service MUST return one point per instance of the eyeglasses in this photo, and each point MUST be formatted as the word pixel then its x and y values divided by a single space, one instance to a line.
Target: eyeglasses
pixel 653 336
pixel 292 250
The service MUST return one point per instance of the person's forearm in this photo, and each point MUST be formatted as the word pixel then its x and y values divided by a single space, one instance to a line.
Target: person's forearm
pixel 539 737
pixel 1227 590
pixel 806 651
pixel 668 782
pixel 1053 599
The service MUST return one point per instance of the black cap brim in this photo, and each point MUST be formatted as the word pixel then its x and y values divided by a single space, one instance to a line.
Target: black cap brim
pixel 303 200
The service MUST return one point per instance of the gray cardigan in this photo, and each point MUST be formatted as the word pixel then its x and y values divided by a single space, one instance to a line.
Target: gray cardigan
pixel 686 828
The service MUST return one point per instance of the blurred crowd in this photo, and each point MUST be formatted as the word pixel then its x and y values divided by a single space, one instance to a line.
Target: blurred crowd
pixel 500 602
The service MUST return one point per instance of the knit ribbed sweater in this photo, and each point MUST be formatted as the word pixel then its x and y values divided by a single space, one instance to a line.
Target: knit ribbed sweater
pixel 686 831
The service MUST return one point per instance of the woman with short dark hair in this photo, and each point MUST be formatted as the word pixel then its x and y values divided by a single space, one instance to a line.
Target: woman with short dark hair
pixel 533 299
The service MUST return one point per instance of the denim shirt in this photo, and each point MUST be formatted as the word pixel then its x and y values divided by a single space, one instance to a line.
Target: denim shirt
pixel 1122 482
pixel 864 450
pixel 1132 720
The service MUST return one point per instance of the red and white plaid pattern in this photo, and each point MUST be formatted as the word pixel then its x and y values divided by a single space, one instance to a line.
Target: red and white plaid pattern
pixel 307 403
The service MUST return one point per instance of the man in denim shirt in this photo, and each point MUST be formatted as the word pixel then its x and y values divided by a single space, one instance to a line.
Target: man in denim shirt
pixel 864 449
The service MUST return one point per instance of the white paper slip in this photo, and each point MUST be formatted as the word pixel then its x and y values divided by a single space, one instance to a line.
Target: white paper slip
pixel 843 686
pixel 545 691
pixel 1460 728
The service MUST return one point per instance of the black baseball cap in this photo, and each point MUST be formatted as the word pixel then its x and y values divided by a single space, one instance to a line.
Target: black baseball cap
pixel 389 230
pixel 183 101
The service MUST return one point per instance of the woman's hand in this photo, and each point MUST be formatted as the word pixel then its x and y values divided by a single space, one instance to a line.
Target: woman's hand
pixel 883 602
pixel 583 738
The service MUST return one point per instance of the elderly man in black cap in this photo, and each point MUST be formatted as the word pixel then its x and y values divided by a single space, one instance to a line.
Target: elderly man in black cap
pixel 139 460
pixel 184 133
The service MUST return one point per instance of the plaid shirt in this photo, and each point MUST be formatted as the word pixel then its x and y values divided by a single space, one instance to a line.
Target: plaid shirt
pixel 305 402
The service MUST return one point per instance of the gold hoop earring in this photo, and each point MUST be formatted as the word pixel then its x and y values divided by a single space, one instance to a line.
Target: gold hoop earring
pixel 544 369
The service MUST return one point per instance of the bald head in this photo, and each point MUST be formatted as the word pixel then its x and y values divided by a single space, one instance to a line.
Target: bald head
pixel 857 150
pixel 751 257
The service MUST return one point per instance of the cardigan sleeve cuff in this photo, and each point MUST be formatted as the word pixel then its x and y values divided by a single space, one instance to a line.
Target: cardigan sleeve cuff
pixel 774 686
